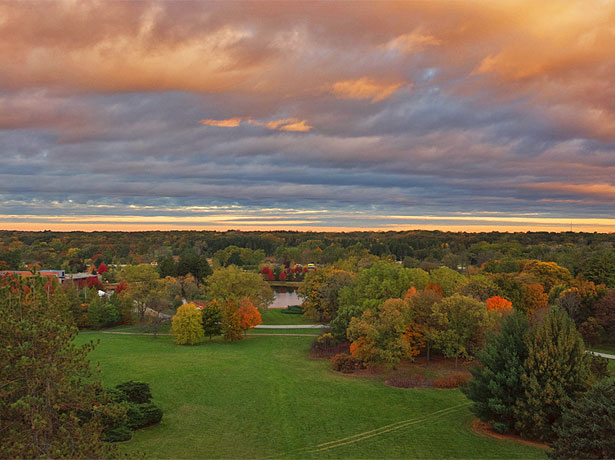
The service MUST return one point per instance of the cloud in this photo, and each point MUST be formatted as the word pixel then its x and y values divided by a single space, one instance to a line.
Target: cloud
pixel 228 123
pixel 364 88
pixel 284 124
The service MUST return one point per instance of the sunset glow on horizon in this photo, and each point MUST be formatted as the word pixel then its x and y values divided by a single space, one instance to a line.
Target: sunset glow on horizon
pixel 311 116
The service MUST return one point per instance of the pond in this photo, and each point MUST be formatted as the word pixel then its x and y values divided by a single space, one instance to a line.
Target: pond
pixel 283 297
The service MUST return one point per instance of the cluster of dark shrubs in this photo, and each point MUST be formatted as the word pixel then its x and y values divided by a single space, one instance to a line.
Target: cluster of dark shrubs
pixel 419 381
pixel 293 310
pixel 452 381
pixel 346 363
pixel 410 381
pixel 132 409
pixel 326 346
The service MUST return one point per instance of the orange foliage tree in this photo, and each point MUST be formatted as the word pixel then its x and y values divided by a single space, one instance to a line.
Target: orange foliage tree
pixel 497 303
pixel 534 298
pixel 249 316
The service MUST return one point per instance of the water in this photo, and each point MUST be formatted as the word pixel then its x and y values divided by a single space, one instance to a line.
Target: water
pixel 284 297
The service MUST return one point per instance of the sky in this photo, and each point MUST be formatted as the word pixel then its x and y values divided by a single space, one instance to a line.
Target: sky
pixel 361 115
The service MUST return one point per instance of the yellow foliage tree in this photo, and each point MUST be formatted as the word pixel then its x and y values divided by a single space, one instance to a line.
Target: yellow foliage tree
pixel 187 325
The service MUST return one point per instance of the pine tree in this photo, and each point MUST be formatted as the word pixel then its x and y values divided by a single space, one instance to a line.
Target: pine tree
pixel 588 427
pixel 212 319
pixel 497 382
pixel 556 373
pixel 46 388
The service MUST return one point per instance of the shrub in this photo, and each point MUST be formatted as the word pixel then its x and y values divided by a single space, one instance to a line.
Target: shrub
pixel 134 392
pixel 326 345
pixel 598 366
pixel 142 415
pixel 345 363
pixel 452 381
pixel 413 381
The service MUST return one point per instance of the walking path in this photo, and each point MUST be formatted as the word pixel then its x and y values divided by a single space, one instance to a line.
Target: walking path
pixel 604 355
pixel 291 326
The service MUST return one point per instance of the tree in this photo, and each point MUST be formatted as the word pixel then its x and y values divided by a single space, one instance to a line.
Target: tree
pixel 378 336
pixel 479 287
pixel 421 309
pixel 167 267
pixel 570 301
pixel 604 312
pixel 448 279
pixel 548 274
pixel 45 381
pixel 498 304
pixel 231 321
pixel 187 325
pixel 249 316
pixel 497 385
pixel 600 268
pixel 145 289
pixel 196 265
pixel 587 430
pixel 320 293
pixel 459 321
pixel 212 318
pixel 556 372
pixel 534 298
pixel 234 283
pixel 372 286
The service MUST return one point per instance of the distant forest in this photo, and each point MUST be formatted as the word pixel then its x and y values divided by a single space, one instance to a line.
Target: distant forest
pixel 590 254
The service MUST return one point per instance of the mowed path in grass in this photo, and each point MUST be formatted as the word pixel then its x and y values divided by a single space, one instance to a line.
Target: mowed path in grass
pixel 263 397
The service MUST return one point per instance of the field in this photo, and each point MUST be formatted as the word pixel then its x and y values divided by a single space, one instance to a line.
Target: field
pixel 264 397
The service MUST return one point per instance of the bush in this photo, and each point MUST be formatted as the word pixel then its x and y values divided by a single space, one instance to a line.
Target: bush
pixel 413 381
pixel 326 345
pixel 598 366
pixel 293 310
pixel 117 434
pixel 345 363
pixel 452 381
pixel 142 415
pixel 134 392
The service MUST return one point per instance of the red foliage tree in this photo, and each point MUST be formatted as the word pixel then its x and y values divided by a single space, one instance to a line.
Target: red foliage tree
pixel 282 276
pixel 435 287
pixel 121 286
pixel 497 303
pixel 102 268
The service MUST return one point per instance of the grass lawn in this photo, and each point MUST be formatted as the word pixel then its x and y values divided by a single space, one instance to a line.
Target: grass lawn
pixel 275 316
pixel 264 397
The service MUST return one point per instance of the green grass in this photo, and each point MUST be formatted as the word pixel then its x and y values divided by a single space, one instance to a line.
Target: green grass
pixel 275 316
pixel 264 397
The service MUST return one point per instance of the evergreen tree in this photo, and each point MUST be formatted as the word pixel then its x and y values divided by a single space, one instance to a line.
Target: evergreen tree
pixel 45 381
pixel 497 381
pixel 556 373
pixel 588 427
pixel 212 319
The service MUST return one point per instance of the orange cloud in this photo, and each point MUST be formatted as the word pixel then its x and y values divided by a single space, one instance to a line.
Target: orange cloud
pixel 289 124
pixel 412 42
pixel 284 124
pixel 600 190
pixel 228 123
pixel 364 88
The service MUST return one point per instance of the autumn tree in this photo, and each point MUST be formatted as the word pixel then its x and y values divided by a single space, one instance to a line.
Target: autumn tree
pixel 534 298
pixel 231 321
pixel 604 312
pixel 145 288
pixel 556 372
pixel 197 265
pixel 320 293
pixel 460 321
pixel 45 382
pixel 421 309
pixel 480 287
pixel 187 325
pixel 498 304
pixel 378 336
pixel 249 316
pixel 448 279
pixel 234 283
pixel 548 274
